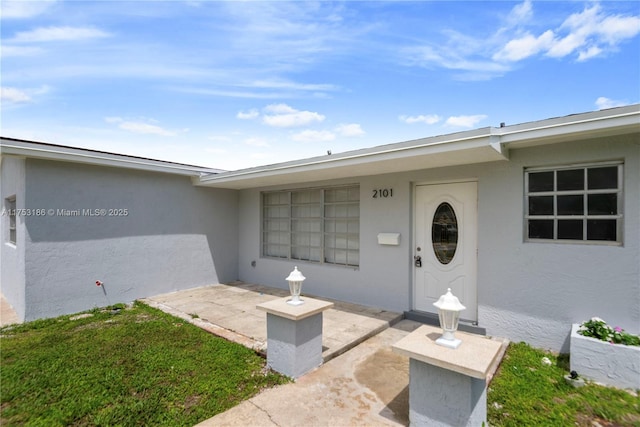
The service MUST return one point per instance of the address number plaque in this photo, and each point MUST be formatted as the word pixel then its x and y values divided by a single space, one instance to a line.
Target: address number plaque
pixel 382 193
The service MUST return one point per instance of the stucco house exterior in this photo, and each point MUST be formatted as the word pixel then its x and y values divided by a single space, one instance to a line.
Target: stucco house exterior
pixel 534 226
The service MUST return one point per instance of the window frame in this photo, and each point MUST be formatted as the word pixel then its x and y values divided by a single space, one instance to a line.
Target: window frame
pixel 584 192
pixel 292 248
pixel 12 225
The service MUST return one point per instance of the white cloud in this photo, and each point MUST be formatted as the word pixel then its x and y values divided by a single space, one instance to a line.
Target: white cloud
pixel 589 53
pixel 279 109
pixel 313 136
pixel 429 119
pixel 286 84
pixel 589 33
pixel 266 89
pixel 465 121
pixel 603 103
pixel 8 51
pixel 291 35
pixel 350 130
pixel 520 13
pixel 282 115
pixel 23 8
pixel 145 128
pixel 614 29
pixel 523 47
pixel 13 95
pixel 251 114
pixel 140 127
pixel 48 34
pixel 450 57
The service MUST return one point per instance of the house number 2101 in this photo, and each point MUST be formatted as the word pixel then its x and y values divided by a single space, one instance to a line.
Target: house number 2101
pixel 382 193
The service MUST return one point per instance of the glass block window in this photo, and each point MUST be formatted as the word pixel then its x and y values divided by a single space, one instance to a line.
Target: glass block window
pixel 574 203
pixel 316 225
pixel 10 207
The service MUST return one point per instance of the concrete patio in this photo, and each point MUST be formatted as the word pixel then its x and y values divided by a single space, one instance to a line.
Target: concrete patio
pixel 229 310
pixel 368 384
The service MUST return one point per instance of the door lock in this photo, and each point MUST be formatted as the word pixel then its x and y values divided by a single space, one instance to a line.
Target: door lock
pixel 417 260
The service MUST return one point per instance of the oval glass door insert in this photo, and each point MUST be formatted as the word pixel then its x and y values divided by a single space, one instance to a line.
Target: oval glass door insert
pixel 444 233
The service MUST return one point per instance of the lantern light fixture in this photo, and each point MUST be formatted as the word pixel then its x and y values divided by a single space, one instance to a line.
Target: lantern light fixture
pixel 295 280
pixel 449 309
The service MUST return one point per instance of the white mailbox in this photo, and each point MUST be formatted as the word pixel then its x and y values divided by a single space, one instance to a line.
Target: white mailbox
pixel 392 239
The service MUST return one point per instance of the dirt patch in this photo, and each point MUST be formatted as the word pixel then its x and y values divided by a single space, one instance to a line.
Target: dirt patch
pixel 386 374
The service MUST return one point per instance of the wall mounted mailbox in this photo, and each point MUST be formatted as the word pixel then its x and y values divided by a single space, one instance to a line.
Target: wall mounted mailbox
pixel 392 239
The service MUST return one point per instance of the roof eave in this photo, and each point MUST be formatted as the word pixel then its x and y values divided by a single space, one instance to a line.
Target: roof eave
pixel 619 121
pixel 27 149
pixel 478 148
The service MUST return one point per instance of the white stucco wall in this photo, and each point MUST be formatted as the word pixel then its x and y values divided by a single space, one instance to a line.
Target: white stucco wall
pixel 12 256
pixel 174 236
pixel 526 291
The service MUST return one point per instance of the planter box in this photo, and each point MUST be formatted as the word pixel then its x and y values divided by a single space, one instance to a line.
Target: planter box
pixel 611 364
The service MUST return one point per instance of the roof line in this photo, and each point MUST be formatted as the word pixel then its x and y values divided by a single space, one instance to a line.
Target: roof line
pixel 494 134
pixel 348 155
pixel 20 147
pixel 48 144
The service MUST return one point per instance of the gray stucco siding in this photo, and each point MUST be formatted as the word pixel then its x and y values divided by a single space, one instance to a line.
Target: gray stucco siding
pixel 382 277
pixel 172 236
pixel 534 291
pixel 526 291
pixel 12 182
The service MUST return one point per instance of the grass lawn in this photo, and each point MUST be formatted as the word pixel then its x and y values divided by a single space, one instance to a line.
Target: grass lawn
pixel 126 366
pixel 527 392
pixel 139 366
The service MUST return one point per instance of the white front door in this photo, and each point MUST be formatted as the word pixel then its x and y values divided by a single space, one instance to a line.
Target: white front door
pixel 446 245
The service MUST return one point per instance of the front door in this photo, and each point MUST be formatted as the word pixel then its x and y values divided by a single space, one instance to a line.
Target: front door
pixel 446 245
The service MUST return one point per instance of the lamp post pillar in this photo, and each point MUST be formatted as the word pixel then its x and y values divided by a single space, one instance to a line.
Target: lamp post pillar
pixel 294 335
pixel 447 386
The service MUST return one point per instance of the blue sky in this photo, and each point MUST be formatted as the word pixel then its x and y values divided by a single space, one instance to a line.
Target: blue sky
pixel 238 84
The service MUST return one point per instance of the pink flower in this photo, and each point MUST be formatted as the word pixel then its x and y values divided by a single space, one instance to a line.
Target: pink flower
pixel 617 329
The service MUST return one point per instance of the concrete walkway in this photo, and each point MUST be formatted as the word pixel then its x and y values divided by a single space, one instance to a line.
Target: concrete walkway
pixel 366 386
pixel 229 310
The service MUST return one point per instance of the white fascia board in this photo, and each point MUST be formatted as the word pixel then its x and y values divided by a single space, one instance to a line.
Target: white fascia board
pixel 464 148
pixel 27 149
pixel 622 120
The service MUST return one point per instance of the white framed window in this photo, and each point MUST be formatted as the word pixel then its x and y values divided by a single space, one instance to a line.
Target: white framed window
pixel 574 203
pixel 317 225
pixel 10 209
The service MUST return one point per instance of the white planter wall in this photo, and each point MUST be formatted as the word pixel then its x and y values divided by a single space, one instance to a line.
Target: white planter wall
pixel 611 364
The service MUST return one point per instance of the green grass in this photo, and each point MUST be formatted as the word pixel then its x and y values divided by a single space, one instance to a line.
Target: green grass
pixel 525 392
pixel 132 366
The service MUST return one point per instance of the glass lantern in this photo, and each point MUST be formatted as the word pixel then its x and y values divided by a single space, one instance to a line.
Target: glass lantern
pixel 295 280
pixel 449 309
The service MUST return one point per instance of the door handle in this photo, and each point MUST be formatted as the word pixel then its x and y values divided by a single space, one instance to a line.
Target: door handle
pixel 417 260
